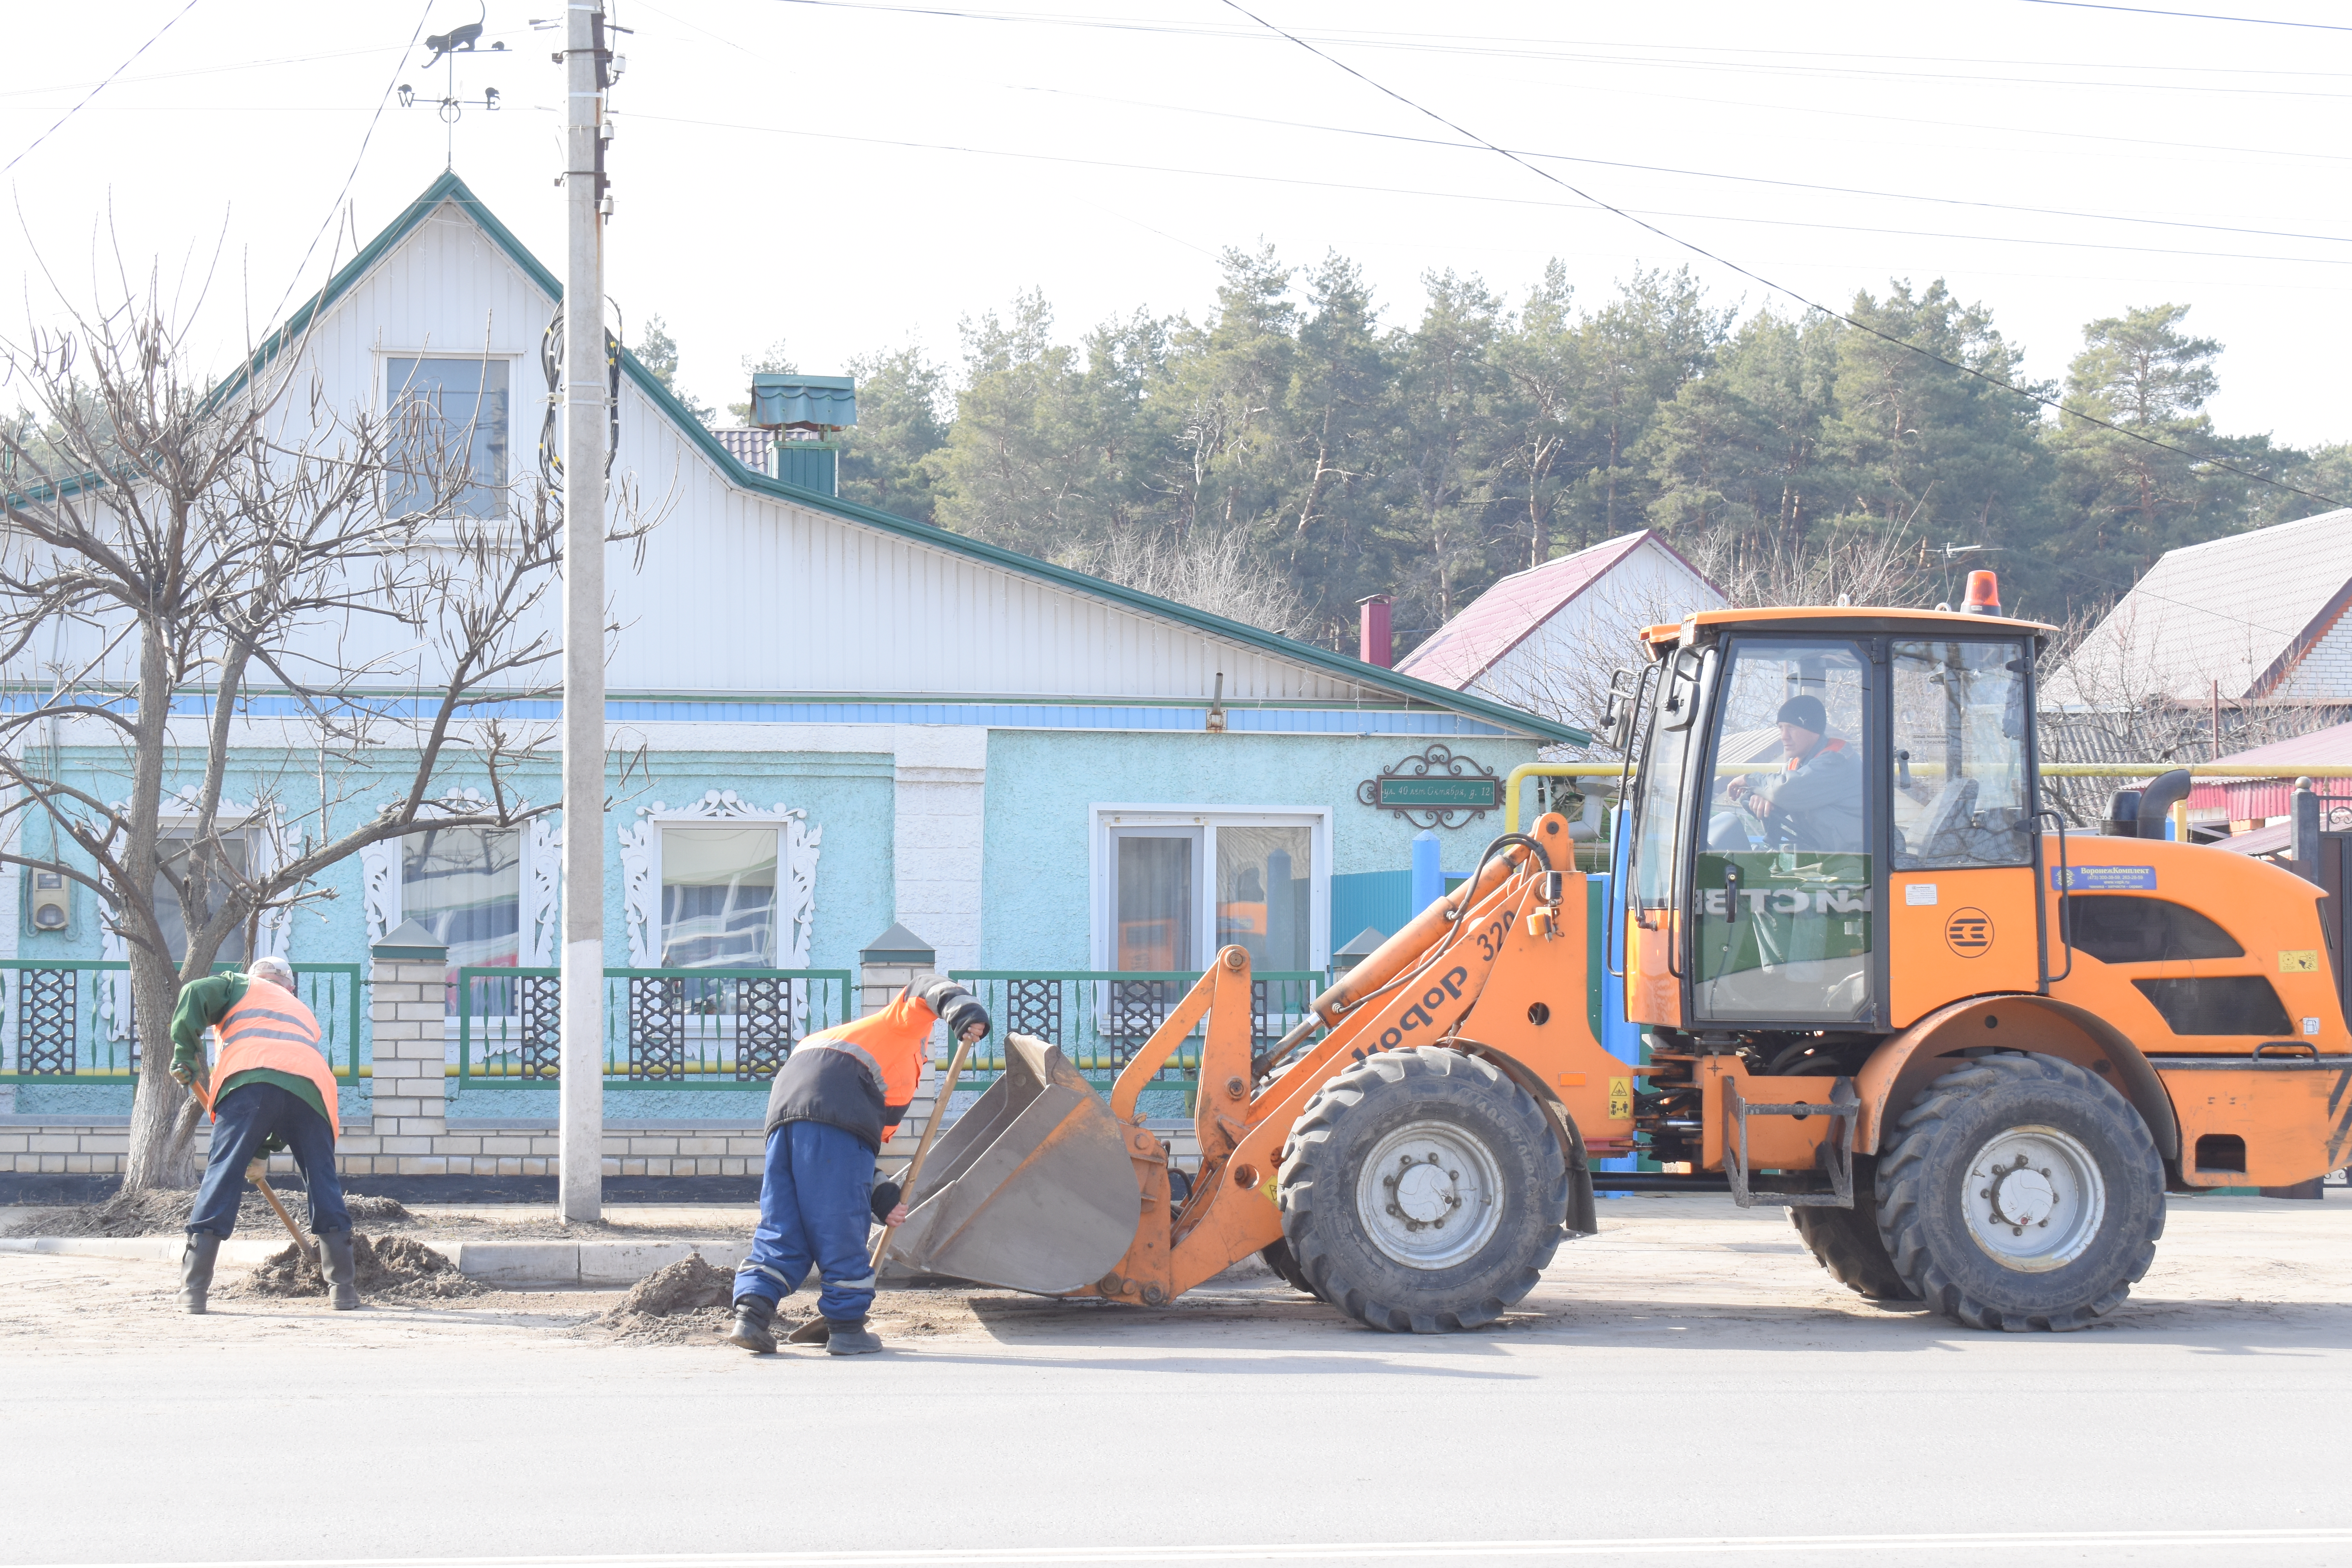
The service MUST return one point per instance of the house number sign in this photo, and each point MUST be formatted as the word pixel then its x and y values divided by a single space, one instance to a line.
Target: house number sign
pixel 1435 789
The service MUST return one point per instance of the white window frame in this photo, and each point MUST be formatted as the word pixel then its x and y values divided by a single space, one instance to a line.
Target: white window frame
pixel 444 531
pixel 1103 950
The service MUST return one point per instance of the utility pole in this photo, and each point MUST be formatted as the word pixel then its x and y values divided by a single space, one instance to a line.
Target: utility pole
pixel 586 417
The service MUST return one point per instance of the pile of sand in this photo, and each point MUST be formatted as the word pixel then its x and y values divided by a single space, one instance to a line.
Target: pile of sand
pixel 162 1212
pixel 391 1268
pixel 685 1302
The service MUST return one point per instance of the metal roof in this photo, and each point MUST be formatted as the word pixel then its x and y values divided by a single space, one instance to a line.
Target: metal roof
pixel 2241 610
pixel 449 188
pixel 1506 614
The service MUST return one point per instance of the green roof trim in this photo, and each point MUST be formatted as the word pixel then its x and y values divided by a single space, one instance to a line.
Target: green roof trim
pixel 449 187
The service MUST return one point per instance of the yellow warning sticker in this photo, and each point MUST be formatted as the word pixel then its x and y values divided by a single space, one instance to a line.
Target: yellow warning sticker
pixel 1267 1188
pixel 1621 1099
pixel 2302 961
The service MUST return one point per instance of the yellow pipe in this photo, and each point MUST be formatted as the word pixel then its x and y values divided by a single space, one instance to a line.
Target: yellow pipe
pixel 2048 770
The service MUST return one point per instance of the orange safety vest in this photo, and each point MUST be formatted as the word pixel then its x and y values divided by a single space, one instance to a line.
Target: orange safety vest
pixel 891 1042
pixel 269 1028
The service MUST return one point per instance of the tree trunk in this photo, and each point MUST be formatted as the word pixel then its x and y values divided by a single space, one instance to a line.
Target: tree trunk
pixel 163 1116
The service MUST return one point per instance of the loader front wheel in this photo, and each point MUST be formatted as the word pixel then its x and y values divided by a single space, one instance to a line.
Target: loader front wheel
pixel 2020 1192
pixel 1846 1241
pixel 1423 1191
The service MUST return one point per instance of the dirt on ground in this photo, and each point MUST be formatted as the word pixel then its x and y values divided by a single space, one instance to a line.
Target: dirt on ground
pixel 165 1213
pixel 391 1268
pixel 685 1302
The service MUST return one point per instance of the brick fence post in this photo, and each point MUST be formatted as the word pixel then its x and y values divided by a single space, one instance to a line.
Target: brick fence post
pixel 409 985
pixel 884 968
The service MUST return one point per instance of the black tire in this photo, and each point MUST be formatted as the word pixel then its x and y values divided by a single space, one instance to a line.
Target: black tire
pixel 1428 1100
pixel 1946 1158
pixel 1846 1241
pixel 1285 1267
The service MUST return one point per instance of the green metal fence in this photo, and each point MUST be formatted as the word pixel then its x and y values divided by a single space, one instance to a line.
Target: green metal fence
pixel 663 1028
pixel 72 1021
pixel 1101 1018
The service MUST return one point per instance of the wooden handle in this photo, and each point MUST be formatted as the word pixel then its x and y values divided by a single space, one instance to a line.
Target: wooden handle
pixel 287 1219
pixel 923 1147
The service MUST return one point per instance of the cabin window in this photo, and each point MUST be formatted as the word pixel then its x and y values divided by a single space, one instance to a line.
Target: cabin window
pixel 2218 1005
pixel 1958 756
pixel 2120 928
pixel 719 898
pixel 449 436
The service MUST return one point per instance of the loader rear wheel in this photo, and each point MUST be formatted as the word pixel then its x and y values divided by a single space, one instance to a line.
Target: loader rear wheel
pixel 1846 1241
pixel 2020 1192
pixel 1423 1193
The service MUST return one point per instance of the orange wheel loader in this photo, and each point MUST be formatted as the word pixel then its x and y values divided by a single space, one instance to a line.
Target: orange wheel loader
pixel 1881 984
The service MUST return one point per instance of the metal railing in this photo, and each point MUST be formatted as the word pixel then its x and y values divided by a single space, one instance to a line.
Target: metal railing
pixel 663 1028
pixel 73 1020
pixel 1101 1018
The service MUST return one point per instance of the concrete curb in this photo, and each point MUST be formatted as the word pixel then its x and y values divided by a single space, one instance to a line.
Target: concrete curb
pixel 593 1263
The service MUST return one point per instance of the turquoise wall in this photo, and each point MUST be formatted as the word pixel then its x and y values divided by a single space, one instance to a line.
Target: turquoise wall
pixel 1043 786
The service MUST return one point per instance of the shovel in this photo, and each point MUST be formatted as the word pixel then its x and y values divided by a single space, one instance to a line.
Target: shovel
pixel 814 1331
pixel 258 1175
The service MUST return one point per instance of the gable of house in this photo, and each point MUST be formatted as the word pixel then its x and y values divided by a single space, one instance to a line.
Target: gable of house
pixel 753 589
pixel 2259 614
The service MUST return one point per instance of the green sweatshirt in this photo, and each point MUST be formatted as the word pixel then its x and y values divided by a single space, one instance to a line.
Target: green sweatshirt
pixel 204 1003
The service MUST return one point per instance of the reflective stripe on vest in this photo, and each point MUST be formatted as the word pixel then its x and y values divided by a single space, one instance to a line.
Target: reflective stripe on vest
pixel 269 1028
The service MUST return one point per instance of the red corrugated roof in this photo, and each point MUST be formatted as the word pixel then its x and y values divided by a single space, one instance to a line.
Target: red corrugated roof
pixel 1498 620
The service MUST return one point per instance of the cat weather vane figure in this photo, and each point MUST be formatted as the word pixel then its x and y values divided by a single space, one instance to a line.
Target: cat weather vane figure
pixel 447 46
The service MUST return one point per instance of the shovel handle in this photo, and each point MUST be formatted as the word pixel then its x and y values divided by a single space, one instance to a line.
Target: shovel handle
pixel 923 1147
pixel 283 1218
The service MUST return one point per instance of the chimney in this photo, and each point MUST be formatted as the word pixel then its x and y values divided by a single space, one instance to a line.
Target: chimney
pixel 1373 643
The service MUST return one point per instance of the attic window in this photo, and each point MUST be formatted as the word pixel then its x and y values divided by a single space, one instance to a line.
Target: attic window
pixel 449 436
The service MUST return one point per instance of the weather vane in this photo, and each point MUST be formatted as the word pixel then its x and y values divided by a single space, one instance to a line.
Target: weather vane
pixel 447 46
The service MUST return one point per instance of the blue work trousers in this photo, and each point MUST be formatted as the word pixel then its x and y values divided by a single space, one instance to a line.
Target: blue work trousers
pixel 248 1114
pixel 814 1199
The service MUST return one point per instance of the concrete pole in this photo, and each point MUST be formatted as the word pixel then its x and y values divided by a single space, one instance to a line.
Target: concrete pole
pixel 581 1098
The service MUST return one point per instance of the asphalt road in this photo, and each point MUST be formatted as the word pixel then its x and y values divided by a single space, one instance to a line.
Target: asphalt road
pixel 1686 1390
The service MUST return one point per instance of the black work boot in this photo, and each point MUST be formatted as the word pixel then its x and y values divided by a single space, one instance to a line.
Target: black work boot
pixel 335 1260
pixel 850 1339
pixel 752 1316
pixel 197 1269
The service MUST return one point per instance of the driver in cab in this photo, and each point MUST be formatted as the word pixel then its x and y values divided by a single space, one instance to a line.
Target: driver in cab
pixel 1815 802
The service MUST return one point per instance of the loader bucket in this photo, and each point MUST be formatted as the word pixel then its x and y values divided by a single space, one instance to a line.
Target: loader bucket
pixel 1032 1189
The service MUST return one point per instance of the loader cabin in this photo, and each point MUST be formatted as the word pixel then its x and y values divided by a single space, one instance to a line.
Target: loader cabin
pixel 1798 764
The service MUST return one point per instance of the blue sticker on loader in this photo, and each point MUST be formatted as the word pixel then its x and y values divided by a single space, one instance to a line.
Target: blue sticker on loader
pixel 2105 880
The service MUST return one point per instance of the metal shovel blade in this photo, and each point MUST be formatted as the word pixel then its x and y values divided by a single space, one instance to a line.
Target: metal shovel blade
pixel 1032 1189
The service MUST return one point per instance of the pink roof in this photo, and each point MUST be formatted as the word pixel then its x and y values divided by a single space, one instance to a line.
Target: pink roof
pixel 2321 747
pixel 1499 620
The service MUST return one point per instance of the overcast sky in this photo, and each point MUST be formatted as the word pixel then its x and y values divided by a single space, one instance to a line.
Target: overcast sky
pixel 848 176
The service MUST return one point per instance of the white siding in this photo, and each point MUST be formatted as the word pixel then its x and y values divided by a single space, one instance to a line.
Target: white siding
pixel 1562 665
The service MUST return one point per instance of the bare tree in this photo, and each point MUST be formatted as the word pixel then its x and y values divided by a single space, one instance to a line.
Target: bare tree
pixel 1210 568
pixel 214 576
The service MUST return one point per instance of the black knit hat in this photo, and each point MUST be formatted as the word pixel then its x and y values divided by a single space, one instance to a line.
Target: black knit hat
pixel 1805 713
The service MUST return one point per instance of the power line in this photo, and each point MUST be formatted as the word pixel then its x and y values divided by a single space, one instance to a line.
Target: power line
pixel 2193 15
pixel 357 158
pixel 94 92
pixel 1460 196
pixel 1990 380
pixel 1711 174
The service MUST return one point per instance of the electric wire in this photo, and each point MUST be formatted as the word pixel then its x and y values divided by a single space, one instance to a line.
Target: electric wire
pixel 94 91
pixel 389 86
pixel 2193 15
pixel 1709 173
pixel 1989 379
pixel 1589 205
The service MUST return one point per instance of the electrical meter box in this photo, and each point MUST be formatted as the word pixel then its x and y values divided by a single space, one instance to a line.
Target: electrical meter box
pixel 50 904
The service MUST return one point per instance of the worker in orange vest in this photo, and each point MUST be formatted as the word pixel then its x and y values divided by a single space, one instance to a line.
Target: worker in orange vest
pixel 837 1100
pixel 271 1088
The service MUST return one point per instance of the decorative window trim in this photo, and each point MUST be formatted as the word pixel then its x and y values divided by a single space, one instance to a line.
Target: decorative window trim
pixel 797 848
pixel 541 876
pixel 1103 817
